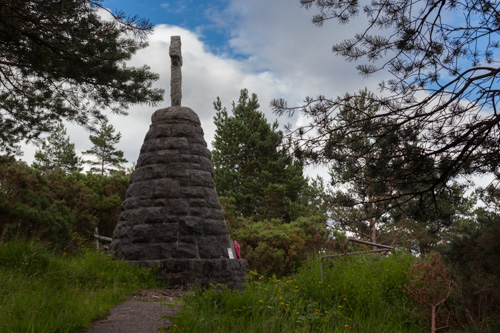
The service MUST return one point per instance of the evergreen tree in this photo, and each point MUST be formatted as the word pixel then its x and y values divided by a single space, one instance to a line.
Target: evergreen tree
pixel 443 58
pixel 251 165
pixel 358 152
pixel 357 206
pixel 56 152
pixel 60 61
pixel 107 157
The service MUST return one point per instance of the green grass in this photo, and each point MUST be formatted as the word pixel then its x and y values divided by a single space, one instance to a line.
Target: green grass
pixel 44 292
pixel 363 294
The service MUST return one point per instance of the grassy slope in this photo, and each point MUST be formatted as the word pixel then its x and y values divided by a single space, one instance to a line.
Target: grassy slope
pixel 362 295
pixel 42 292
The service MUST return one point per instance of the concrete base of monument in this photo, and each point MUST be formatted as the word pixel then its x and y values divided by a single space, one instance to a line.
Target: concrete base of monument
pixel 189 273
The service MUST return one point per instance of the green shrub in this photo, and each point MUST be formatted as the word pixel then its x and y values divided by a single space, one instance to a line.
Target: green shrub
pixel 474 261
pixel 274 247
pixel 55 207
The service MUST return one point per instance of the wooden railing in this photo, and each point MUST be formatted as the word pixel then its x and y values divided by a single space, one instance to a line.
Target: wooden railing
pixel 98 238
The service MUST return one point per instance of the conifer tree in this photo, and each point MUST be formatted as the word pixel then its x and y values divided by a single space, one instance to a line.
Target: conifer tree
pixel 59 60
pixel 56 152
pixel 250 164
pixel 107 157
pixel 443 61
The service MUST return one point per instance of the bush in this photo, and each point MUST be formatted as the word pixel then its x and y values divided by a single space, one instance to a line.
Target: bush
pixel 274 247
pixel 56 207
pixel 474 261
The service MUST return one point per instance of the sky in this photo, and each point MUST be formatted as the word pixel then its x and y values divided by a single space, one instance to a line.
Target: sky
pixel 270 48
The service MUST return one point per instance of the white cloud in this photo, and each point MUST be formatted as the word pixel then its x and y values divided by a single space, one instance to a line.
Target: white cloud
pixel 286 56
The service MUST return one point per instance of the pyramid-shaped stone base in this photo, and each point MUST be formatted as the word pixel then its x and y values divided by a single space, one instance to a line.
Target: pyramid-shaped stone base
pixel 171 217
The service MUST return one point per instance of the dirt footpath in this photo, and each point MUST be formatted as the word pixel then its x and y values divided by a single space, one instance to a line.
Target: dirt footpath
pixel 141 313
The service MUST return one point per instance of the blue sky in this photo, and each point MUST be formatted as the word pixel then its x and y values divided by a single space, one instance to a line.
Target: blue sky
pixel 269 47
pixel 194 15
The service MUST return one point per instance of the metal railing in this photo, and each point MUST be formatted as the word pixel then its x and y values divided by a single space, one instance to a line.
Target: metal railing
pixel 386 248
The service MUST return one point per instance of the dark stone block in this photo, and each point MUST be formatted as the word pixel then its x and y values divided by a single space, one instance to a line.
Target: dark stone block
pixel 159 144
pixel 177 207
pixel 190 225
pixel 175 113
pixel 188 130
pixel 211 198
pixel 198 203
pixel 134 216
pixel 215 227
pixel 188 239
pixel 158 157
pixel 131 252
pixel 167 250
pixel 165 233
pixel 120 231
pixel 148 173
pixel 206 165
pixel 193 192
pixel 130 203
pixel 176 266
pixel 158 131
pixel 200 149
pixel 185 251
pixel 140 233
pixel 158 203
pixel 187 273
pixel 166 188
pixel 155 215
pixel 201 178
pixel 188 158
pixel 177 170
pixel 210 247
pixel 140 189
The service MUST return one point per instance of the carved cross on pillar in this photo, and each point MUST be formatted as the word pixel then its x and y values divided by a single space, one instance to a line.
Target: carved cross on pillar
pixel 176 63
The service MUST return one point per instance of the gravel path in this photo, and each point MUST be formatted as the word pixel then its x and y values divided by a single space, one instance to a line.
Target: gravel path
pixel 141 313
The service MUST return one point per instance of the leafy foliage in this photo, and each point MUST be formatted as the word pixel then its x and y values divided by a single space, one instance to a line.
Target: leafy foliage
pixel 273 247
pixel 56 152
pixel 56 207
pixel 60 60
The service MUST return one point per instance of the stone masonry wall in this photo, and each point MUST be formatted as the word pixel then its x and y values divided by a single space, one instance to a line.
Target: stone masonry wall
pixel 172 216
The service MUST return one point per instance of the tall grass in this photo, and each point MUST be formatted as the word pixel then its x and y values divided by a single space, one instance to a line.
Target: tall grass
pixel 43 292
pixel 361 294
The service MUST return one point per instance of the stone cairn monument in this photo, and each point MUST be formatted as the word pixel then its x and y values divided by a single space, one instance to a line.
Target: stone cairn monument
pixel 171 217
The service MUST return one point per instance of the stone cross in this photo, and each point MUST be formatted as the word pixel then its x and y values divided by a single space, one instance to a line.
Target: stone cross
pixel 176 63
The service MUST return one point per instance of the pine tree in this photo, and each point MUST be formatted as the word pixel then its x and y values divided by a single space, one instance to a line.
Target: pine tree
pixel 355 160
pixel 60 61
pixel 444 64
pixel 107 157
pixel 56 152
pixel 250 164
